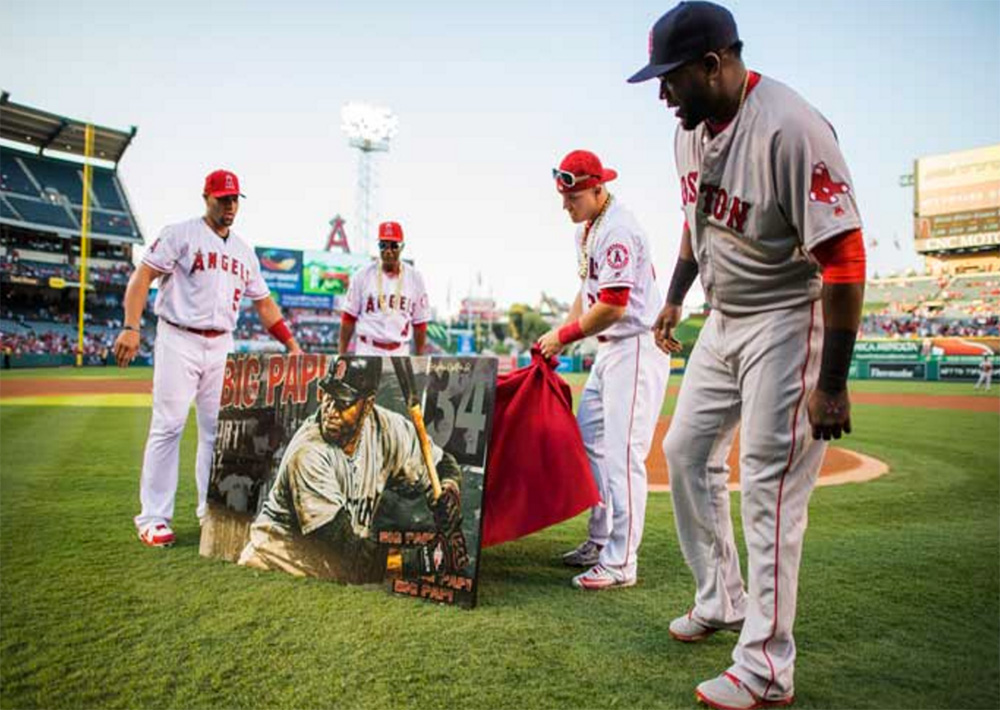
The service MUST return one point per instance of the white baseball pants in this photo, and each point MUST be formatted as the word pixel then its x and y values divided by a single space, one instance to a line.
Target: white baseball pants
pixel 617 417
pixel 186 367
pixel 756 372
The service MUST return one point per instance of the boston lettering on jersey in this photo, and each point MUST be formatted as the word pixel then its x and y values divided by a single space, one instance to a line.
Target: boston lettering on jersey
pixel 223 262
pixel 362 511
pixel 717 203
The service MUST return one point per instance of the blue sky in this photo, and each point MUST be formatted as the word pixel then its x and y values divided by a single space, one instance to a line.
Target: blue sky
pixel 489 98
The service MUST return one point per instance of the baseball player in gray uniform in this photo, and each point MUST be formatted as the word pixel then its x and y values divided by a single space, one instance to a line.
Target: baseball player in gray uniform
pixel 329 496
pixel 772 228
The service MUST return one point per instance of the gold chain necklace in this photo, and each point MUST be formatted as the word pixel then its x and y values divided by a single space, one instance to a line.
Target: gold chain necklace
pixel 591 228
pixel 399 287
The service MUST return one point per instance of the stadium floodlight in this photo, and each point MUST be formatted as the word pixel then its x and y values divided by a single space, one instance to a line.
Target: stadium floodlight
pixel 369 129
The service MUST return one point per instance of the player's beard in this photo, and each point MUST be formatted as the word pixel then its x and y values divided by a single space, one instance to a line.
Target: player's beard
pixel 344 438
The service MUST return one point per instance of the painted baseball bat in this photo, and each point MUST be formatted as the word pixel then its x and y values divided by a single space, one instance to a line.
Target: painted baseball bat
pixel 404 373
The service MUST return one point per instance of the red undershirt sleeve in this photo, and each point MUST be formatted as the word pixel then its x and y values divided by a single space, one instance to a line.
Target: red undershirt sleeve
pixel 614 296
pixel 842 258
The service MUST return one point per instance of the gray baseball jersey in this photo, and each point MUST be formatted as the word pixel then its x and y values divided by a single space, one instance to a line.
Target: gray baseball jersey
pixel 759 196
pixel 316 479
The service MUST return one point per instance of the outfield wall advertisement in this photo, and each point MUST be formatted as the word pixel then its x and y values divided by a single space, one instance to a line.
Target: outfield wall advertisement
pixel 362 470
pixel 937 358
pixel 309 279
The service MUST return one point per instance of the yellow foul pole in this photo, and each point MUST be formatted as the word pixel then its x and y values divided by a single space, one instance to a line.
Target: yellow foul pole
pixel 88 154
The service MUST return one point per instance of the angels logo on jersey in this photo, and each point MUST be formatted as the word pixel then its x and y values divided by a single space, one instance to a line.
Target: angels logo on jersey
pixel 617 256
pixel 824 188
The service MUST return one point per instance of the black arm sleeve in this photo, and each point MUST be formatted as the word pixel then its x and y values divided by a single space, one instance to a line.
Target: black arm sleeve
pixel 360 559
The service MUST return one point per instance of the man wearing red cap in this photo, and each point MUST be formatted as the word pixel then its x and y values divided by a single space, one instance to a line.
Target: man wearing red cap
pixel 205 271
pixel 386 301
pixel 618 302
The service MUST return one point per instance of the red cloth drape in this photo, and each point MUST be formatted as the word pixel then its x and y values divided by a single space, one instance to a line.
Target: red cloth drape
pixel 537 473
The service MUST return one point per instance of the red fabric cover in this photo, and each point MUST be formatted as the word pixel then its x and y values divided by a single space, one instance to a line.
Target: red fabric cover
pixel 419 327
pixel 347 319
pixel 537 472
pixel 843 258
pixel 614 296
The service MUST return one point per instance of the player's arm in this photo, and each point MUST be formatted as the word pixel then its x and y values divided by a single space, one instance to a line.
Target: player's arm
pixel 420 337
pixel 685 272
pixel 576 310
pixel 843 262
pixel 600 316
pixel 127 343
pixel 270 317
pixel 347 324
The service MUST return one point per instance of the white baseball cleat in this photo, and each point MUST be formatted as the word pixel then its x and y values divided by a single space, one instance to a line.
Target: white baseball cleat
pixel 586 555
pixel 727 692
pixel 600 577
pixel 688 629
pixel 157 535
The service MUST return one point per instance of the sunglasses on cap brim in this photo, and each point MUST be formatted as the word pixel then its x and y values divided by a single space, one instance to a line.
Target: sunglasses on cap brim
pixel 385 244
pixel 568 179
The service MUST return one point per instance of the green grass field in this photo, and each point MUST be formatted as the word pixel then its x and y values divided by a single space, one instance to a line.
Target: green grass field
pixel 898 604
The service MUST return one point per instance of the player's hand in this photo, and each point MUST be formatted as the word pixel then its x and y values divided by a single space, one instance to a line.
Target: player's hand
pixel 663 329
pixel 126 347
pixel 829 414
pixel 293 347
pixel 447 509
pixel 549 344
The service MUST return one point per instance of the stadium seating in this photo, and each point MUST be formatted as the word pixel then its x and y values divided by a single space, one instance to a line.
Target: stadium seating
pixel 12 177
pixel 104 190
pixel 40 212
pixel 56 175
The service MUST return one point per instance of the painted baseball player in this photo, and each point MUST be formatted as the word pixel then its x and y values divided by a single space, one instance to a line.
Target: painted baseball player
pixel 330 492
pixel 772 228
pixel 618 301
pixel 386 301
pixel 985 372
pixel 205 270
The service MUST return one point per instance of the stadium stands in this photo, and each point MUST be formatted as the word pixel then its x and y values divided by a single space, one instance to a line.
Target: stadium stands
pixel 37 190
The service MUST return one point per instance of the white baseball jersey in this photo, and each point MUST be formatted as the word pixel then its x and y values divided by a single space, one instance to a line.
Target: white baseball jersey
pixel 206 276
pixel 759 196
pixel 386 314
pixel 316 480
pixel 619 256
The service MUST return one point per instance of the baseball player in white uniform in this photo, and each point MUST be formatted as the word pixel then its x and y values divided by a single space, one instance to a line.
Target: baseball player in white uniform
pixel 319 516
pixel 205 270
pixel 772 228
pixel 985 372
pixel 618 301
pixel 386 302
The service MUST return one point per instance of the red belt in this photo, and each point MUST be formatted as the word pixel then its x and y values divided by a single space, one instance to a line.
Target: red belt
pixel 381 345
pixel 197 331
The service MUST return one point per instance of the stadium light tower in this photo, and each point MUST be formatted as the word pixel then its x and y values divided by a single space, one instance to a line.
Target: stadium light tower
pixel 369 129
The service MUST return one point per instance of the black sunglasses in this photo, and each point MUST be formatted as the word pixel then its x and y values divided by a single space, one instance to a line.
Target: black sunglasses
pixel 384 245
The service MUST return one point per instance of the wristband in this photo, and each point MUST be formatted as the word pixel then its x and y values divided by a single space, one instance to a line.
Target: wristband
pixel 570 333
pixel 131 327
pixel 838 346
pixel 684 275
pixel 280 332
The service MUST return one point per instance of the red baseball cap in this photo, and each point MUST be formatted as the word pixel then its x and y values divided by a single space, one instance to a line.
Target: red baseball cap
pixel 390 232
pixel 222 183
pixel 582 163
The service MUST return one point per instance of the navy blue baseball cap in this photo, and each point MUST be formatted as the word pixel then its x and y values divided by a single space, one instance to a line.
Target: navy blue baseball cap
pixel 688 31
